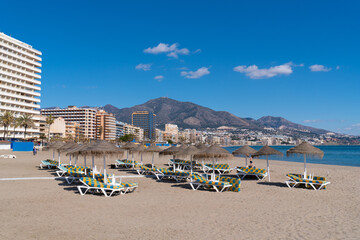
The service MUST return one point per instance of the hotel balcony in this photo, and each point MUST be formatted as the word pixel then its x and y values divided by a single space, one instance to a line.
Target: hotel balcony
pixel 31 105
pixel 4 93
pixel 15 69
pixel 36 88
pixel 23 52
pixel 12 61
pixel 17 76
pixel 21 110
pixel 32 93
pixel 17 56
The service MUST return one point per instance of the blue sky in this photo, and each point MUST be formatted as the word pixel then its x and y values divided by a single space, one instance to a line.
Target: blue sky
pixel 295 59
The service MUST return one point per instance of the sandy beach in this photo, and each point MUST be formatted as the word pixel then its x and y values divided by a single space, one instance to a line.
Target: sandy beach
pixel 52 209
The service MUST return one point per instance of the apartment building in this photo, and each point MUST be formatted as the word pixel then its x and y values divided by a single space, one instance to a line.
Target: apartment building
pixel 124 128
pixel 72 130
pixel 20 83
pixel 57 129
pixel 146 121
pixel 105 126
pixel 86 117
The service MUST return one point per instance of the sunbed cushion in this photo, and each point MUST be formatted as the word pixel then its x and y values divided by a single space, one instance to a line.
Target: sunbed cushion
pixel 219 166
pixel 97 184
pixel 172 173
pixel 50 162
pixel 251 170
pixel 201 179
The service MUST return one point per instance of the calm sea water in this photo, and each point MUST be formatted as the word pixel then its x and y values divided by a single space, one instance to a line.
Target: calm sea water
pixel 333 155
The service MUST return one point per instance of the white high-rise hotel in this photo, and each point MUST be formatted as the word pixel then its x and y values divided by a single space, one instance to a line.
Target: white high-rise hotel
pixel 19 82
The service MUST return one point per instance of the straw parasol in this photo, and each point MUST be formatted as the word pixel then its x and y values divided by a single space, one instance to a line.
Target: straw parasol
pixel 153 149
pixel 305 149
pixel 140 149
pixel 244 151
pixel 191 150
pixel 68 147
pixel 170 151
pixel 128 146
pixel 55 146
pixel 213 152
pixel 201 146
pixel 101 148
pixel 267 151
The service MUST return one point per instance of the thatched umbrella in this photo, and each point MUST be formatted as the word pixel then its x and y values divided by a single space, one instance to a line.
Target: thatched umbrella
pixel 140 149
pixel 170 151
pixel 55 146
pixel 201 146
pixel 102 148
pixel 66 147
pixel 213 152
pixel 153 149
pixel 266 151
pixel 305 149
pixel 191 150
pixel 244 151
pixel 78 150
pixel 128 146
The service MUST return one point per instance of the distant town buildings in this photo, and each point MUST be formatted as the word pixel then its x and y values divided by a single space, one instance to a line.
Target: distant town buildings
pixel 20 83
pixel 86 117
pixel 146 121
pixel 125 128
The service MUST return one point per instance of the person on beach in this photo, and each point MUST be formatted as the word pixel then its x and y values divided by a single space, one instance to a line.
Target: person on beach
pixel 34 151
pixel 251 164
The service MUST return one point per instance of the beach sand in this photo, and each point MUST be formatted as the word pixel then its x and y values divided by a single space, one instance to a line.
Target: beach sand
pixel 52 209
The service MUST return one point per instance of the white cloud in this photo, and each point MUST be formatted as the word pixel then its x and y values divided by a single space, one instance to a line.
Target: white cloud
pixel 312 121
pixel 319 68
pixel 254 72
pixel 159 78
pixel 197 74
pixel 144 67
pixel 171 50
pixel 337 67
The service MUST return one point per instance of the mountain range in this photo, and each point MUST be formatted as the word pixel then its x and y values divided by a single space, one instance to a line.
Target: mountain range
pixel 191 115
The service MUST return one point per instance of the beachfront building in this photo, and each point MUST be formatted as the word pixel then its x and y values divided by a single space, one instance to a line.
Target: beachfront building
pixel 146 121
pixel 105 126
pixel 20 83
pixel 86 117
pixel 171 133
pixel 57 129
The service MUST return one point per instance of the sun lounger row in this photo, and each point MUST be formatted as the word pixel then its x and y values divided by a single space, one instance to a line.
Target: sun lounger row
pixel 317 183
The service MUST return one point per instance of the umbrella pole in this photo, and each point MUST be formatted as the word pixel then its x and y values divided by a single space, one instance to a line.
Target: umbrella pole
pixel 127 154
pixel 59 158
pixel 85 161
pixel 76 159
pixel 132 159
pixel 104 169
pixel 141 158
pixel 92 161
pixel 213 170
pixel 53 154
pixel 191 166
pixel 152 161
pixel 246 161
pixel 268 168
pixel 304 165
pixel 70 159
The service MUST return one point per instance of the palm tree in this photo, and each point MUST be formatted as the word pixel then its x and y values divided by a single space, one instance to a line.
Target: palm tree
pixel 6 120
pixel 26 122
pixel 49 120
pixel 16 123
